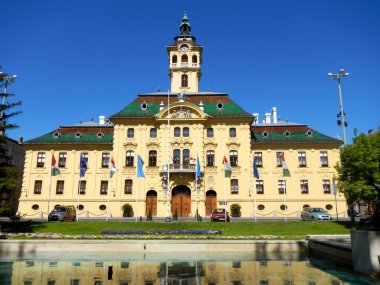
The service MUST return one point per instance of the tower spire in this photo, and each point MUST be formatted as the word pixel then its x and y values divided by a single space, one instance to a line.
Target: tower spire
pixel 185 27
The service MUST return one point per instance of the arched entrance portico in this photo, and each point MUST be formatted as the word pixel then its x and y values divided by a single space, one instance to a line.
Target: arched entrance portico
pixel 151 202
pixel 181 200
pixel 210 201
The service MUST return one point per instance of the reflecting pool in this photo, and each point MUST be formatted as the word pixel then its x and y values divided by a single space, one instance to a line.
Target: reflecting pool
pixel 179 268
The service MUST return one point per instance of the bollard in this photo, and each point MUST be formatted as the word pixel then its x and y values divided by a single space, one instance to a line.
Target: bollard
pixel 110 272
pixel 140 218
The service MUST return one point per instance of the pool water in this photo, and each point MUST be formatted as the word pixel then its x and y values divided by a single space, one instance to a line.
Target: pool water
pixel 181 269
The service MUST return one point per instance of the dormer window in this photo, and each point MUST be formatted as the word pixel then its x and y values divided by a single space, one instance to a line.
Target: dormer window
pixel 78 134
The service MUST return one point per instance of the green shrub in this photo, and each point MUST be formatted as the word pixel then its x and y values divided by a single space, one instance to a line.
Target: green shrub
pixel 127 210
pixel 235 210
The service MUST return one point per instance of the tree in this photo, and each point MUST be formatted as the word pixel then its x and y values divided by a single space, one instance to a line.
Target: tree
pixel 359 169
pixel 10 176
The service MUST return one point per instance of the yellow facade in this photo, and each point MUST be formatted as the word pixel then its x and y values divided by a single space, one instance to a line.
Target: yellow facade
pixel 173 129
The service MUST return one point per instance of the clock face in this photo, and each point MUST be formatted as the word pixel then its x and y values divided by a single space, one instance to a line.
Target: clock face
pixel 184 48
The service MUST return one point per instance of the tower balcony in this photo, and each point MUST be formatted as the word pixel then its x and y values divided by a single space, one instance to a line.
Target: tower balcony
pixel 185 64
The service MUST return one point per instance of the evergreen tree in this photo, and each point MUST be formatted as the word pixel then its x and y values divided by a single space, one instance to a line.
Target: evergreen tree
pixel 10 176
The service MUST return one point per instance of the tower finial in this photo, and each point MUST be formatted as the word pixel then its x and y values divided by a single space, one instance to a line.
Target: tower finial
pixel 185 27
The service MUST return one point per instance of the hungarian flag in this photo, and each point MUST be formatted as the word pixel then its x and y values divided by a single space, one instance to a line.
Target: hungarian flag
pixel 285 170
pixel 112 167
pixel 54 167
pixel 227 168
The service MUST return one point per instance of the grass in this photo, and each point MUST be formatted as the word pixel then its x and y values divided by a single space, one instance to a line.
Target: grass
pixel 296 229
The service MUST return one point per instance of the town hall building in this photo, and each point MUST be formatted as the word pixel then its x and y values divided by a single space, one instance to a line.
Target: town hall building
pixel 182 136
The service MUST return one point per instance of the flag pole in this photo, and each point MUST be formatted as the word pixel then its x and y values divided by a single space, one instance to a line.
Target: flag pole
pixel 168 219
pixel 49 196
pixel 225 201
pixel 254 198
pixel 108 199
pixel 285 200
pixel 137 190
pixel 78 197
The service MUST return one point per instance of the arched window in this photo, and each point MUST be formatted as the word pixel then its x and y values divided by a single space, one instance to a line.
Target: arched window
pixel 184 58
pixel 184 81
pixel 129 158
pixel 194 59
pixel 177 132
pixel 186 156
pixel 210 157
pixel 186 132
pixel 174 59
pixel 177 156
pixel 233 157
pixel 152 158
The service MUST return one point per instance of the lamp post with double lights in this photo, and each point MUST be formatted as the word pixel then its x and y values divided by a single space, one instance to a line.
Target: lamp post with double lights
pixel 337 76
pixel 5 80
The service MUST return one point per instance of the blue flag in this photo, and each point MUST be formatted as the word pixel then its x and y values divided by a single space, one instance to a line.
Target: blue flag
pixel 140 163
pixel 83 166
pixel 255 171
pixel 198 168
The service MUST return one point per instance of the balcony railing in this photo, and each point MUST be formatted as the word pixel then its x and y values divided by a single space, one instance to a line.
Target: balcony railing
pixel 178 168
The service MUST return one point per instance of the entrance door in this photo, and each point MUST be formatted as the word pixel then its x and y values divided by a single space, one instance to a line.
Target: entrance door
pixel 210 201
pixel 181 200
pixel 151 202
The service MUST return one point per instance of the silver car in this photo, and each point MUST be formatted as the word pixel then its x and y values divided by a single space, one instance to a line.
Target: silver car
pixel 315 214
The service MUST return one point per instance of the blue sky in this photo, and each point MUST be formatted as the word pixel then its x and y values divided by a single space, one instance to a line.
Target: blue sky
pixel 77 60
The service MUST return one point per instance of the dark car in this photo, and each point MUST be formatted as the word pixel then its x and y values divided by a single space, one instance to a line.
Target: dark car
pixel 63 213
pixel 219 215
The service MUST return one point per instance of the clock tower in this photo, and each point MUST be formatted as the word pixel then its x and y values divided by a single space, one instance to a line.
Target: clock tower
pixel 185 58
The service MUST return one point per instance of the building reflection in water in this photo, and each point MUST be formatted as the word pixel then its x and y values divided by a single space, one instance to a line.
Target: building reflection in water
pixel 85 272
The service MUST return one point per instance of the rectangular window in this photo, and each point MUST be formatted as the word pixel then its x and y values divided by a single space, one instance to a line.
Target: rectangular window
pixel 62 159
pixel 103 187
pixel 152 158
pixel 259 159
pixel 37 186
pixel 210 158
pixel 60 187
pixel 326 186
pixel 129 158
pixel 105 159
pixel 186 132
pixel 234 186
pixel 177 132
pixel 232 132
pixel 153 133
pixel 131 133
pixel 41 159
pixel 281 186
pixel 304 186
pixel 279 159
pixel 324 159
pixel 82 187
pixel 302 159
pixel 210 132
pixel 128 186
pixel 260 186
pixel 233 158
pixel 85 156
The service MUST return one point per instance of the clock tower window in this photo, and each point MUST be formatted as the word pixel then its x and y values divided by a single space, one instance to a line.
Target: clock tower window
pixel 195 59
pixel 174 59
pixel 184 81
pixel 184 60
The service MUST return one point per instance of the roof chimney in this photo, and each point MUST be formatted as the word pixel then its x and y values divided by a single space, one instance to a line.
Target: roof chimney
pixel 102 120
pixel 274 115
pixel 267 118
pixel 255 118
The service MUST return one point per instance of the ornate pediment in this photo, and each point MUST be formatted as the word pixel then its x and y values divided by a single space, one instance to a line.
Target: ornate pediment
pixel 182 111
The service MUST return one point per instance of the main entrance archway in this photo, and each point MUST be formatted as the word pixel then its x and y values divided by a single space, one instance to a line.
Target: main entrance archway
pixel 151 202
pixel 181 200
pixel 210 201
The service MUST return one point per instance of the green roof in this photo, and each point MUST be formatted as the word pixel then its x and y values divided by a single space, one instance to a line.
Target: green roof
pixel 70 138
pixel 210 101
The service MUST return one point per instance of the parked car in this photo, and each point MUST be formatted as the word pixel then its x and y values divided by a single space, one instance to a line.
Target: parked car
pixel 315 214
pixel 219 215
pixel 63 213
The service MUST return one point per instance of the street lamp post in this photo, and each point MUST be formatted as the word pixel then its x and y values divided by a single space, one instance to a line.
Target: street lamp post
pixel 336 76
pixel 7 79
